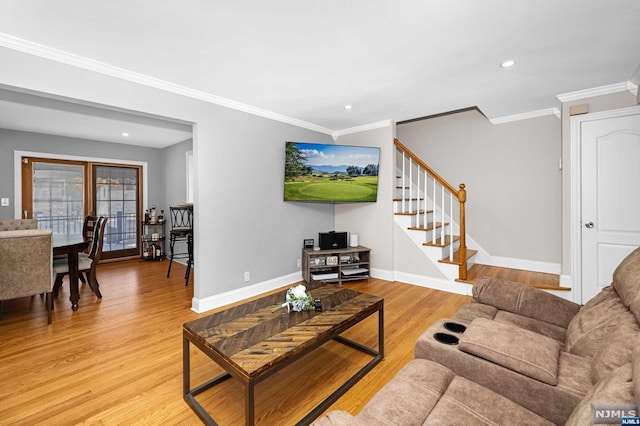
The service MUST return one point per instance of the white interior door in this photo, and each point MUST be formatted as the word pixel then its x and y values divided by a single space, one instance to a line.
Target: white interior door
pixel 610 176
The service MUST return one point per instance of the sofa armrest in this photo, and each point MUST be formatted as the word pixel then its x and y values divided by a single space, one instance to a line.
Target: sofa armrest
pixel 522 351
pixel 524 300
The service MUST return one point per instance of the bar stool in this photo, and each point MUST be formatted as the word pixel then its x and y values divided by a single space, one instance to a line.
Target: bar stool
pixel 181 231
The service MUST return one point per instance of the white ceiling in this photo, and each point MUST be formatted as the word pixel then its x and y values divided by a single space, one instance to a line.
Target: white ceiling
pixel 392 60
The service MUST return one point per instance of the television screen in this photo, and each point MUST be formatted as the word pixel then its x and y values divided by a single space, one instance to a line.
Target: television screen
pixel 330 173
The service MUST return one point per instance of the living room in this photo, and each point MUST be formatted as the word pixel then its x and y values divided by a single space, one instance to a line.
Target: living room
pixel 241 222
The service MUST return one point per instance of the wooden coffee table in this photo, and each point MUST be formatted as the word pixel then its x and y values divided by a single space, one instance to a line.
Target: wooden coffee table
pixel 251 343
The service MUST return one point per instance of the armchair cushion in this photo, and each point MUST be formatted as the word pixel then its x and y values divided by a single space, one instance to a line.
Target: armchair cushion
pixel 524 300
pixel 520 350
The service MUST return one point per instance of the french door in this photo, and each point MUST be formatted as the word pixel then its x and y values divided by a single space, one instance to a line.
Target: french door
pixel 60 193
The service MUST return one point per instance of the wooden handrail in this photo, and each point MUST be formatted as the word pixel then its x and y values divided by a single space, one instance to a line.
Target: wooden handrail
pixel 461 195
pixel 436 176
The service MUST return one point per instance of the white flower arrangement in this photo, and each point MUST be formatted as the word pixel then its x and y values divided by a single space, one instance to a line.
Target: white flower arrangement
pixel 298 299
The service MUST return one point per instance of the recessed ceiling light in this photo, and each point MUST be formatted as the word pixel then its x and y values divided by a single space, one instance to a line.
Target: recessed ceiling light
pixel 508 63
pixel 348 107
pixel 125 134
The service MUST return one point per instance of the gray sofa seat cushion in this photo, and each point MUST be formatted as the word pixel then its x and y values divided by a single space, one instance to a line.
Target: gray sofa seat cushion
pixel 517 349
pixel 468 403
pixel 426 393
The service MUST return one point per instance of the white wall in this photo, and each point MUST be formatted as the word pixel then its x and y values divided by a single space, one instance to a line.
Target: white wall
pixel 241 222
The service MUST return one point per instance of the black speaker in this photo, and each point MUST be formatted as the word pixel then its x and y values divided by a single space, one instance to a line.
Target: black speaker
pixel 332 240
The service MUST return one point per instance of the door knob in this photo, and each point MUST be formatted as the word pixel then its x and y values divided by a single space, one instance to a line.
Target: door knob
pixel 589 225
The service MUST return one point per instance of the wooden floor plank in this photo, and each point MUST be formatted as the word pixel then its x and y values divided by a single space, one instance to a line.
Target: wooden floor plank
pixel 119 360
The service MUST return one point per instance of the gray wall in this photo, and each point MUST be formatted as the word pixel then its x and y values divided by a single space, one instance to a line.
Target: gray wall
pixel 11 141
pixel 241 222
pixel 373 222
pixel 511 175
pixel 174 173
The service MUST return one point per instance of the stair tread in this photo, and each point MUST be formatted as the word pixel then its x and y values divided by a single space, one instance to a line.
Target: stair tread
pixel 412 213
pixel 429 227
pixel 540 280
pixel 440 243
pixel 408 199
pixel 456 257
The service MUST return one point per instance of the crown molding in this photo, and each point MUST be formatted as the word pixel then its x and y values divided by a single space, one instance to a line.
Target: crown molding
pixel 595 91
pixel 74 60
pixel 363 128
pixel 526 116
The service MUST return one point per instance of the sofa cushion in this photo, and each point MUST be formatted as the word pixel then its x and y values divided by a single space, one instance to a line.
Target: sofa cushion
pixel 467 313
pixel 615 390
pixel 617 348
pixel 524 300
pixel 626 281
pixel 590 328
pixel 410 396
pixel 426 393
pixel 520 350
pixel 467 403
pixel 546 329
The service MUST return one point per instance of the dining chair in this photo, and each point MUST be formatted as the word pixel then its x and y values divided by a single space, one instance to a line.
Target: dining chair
pixel 86 264
pixel 88 226
pixel 26 258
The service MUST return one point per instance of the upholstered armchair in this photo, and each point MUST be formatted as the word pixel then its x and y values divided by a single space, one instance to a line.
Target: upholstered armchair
pixel 26 265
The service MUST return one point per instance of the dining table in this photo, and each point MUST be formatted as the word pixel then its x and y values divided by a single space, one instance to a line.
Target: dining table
pixel 71 245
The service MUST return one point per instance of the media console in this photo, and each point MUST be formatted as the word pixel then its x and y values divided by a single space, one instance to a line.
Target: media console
pixel 336 265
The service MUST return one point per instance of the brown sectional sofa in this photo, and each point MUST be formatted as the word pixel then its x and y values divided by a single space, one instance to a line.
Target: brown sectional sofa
pixel 517 355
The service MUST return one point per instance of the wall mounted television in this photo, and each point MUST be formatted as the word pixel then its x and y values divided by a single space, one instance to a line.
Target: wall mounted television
pixel 330 173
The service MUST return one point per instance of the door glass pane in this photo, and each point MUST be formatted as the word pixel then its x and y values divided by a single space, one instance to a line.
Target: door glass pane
pixel 117 198
pixel 58 197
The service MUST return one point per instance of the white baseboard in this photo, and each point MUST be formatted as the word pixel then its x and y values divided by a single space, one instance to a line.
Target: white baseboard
pixel 434 283
pixel 222 299
pixel 527 265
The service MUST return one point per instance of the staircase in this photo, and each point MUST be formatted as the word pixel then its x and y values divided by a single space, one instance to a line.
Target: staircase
pixel 432 213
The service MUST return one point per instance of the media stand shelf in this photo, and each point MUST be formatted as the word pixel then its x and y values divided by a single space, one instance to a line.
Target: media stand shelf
pixel 336 265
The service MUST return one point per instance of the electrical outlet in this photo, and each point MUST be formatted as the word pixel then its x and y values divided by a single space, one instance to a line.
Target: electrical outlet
pixel 299 263
pixel 247 276
pixel 5 202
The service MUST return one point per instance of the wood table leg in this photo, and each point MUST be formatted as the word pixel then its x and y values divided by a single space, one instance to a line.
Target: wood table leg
pixel 74 296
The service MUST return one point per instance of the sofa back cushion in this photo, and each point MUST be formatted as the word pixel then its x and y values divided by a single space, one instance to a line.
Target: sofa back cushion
pixel 626 281
pixel 589 330
pixel 615 390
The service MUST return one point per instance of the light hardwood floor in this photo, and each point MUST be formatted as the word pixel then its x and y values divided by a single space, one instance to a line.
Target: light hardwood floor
pixel 119 360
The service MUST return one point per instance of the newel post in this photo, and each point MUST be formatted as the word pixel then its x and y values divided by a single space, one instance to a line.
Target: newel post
pixel 462 198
